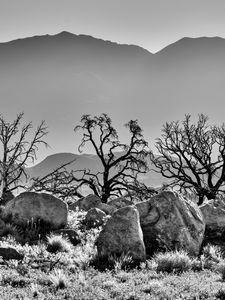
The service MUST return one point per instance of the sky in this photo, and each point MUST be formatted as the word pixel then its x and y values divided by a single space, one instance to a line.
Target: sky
pixel 151 24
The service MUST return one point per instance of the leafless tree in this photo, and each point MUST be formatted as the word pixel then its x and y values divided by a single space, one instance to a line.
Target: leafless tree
pixel 16 151
pixel 121 163
pixel 192 155
pixel 60 182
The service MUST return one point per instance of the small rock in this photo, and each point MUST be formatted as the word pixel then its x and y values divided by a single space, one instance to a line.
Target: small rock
pixel 10 253
pixel 109 210
pixel 119 202
pixel 86 203
pixel 94 218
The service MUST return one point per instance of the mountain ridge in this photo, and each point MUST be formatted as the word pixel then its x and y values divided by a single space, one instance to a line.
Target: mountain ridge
pixel 58 81
pixel 83 161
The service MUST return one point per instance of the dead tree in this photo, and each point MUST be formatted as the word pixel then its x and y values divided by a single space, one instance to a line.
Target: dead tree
pixel 192 156
pixel 17 150
pixel 121 163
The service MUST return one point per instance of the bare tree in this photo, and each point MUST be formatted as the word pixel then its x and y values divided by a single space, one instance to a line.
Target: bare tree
pixel 192 155
pixel 121 163
pixel 17 151
pixel 60 182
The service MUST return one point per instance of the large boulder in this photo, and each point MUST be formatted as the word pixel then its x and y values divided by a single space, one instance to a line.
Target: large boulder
pixel 119 202
pixel 31 206
pixel 122 234
pixel 95 217
pixel 213 212
pixel 170 222
pixel 86 203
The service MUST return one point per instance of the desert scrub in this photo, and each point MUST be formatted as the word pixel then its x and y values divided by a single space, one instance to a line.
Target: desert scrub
pixel 58 279
pixel 58 243
pixel 211 255
pixel 86 250
pixel 10 229
pixel 115 263
pixel 172 262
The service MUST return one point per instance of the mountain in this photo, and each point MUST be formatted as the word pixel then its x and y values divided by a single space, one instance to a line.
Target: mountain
pixel 58 78
pixel 82 161
pixel 51 162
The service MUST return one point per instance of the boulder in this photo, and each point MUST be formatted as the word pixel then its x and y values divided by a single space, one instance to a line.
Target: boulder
pixel 108 209
pixel 122 234
pixel 10 253
pixel 170 222
pixel 86 203
pixel 32 207
pixel 71 234
pixel 213 212
pixel 120 202
pixel 94 218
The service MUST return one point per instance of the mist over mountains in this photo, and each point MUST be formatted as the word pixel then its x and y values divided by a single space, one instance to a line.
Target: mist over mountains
pixel 58 78
pixel 85 161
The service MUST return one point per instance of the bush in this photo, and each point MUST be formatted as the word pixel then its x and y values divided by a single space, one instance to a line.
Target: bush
pixel 58 243
pixel 113 262
pixel 172 262
pixel 58 279
pixel 213 253
pixel 12 230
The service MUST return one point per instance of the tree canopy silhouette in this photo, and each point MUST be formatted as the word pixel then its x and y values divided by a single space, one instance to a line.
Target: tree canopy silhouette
pixel 192 155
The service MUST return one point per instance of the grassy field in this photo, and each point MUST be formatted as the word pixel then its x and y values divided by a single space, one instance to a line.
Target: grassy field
pixel 55 269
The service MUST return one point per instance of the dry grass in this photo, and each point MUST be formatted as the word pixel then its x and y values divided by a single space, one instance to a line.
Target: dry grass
pixel 69 275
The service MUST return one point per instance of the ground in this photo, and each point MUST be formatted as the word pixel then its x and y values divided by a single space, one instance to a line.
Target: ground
pixel 71 272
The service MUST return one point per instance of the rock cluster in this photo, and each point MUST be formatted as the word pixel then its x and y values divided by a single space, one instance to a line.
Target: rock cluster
pixel 166 221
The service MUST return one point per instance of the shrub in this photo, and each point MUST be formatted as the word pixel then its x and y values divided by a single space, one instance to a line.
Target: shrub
pixel 213 253
pixel 10 229
pixel 174 261
pixel 58 243
pixel 58 279
pixel 122 262
pixel 211 257
pixel 34 289
pixel 113 262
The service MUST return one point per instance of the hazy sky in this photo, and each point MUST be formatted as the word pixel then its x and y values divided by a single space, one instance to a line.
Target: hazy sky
pixel 152 24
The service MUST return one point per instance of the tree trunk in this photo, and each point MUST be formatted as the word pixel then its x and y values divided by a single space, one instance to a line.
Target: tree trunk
pixel 200 199
pixel 209 195
pixel 105 198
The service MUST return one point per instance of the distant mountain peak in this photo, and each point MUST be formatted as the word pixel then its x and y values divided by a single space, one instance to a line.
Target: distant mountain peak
pixel 65 34
pixel 187 45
